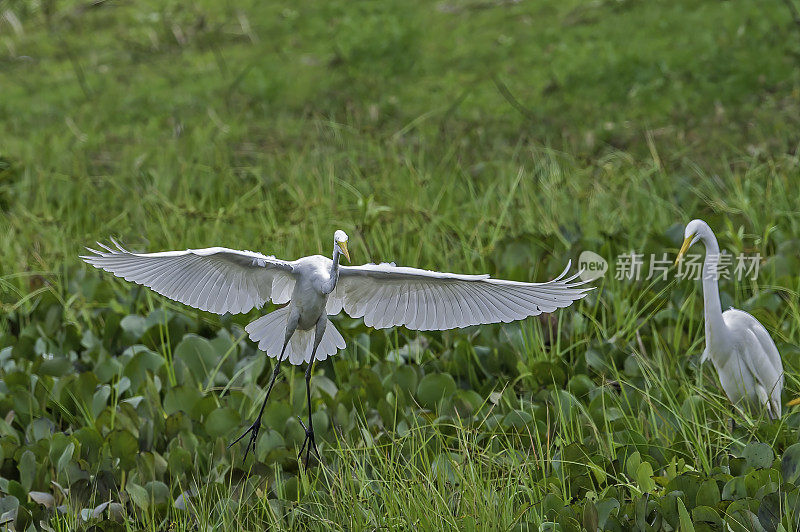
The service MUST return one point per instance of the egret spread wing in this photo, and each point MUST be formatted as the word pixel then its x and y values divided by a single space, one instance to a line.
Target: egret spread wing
pixel 215 279
pixel 387 295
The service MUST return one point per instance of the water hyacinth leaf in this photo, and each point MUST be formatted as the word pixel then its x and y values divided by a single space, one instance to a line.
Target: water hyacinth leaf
pixel 706 514
pixel 708 494
pixel 176 423
pixel 325 385
pixel 179 461
pixel 580 386
pixel 134 325
pixel 182 500
pixel 27 469
pixel 269 441
pixel 770 512
pixel 100 399
pixel 158 493
pixel 40 497
pixel 40 428
pixel 222 421
pixel 123 446
pixel 141 361
pixel 734 489
pixel 591 519
pixel 181 398
pixel 758 455
pixel 65 458
pixel 644 477
pixel 8 508
pixel 684 518
pixel 758 482
pixel 433 388
pixel 739 518
pixel 790 464
pixel 138 495
pixel 107 369
pixel 16 490
pixel 632 464
pixel 122 385
pixel 444 466
pixel 405 378
pixel 196 356
pixel 90 442
pixel 517 419
pixel 276 413
pixel 56 367
pixel 606 508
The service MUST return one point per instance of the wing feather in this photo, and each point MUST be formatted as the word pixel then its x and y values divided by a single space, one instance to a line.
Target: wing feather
pixel 215 279
pixel 386 295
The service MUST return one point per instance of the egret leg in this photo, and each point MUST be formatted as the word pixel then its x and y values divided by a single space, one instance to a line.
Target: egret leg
pixel 309 442
pixel 254 428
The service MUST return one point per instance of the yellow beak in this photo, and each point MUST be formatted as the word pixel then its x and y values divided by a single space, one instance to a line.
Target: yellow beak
pixel 343 246
pixel 794 402
pixel 686 243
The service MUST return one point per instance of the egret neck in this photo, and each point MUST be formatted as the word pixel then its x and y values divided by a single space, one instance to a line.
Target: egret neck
pixel 331 283
pixel 713 307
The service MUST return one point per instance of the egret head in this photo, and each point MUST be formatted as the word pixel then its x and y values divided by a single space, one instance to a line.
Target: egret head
pixel 340 241
pixel 694 231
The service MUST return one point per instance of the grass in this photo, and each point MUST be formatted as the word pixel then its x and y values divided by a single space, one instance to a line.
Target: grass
pixel 494 137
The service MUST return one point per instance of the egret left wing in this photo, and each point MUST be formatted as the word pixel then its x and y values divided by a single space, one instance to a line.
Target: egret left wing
pixel 386 295
pixel 214 279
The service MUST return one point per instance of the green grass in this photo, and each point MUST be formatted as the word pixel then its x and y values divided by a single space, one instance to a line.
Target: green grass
pixel 495 137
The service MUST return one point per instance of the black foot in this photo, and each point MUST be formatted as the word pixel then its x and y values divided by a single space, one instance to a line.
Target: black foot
pixel 253 431
pixel 308 444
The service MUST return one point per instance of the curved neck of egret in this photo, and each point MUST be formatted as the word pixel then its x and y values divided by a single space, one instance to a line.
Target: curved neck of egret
pixel 712 305
pixel 334 271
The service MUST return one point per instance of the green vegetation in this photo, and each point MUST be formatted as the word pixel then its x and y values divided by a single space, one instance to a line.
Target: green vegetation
pixel 473 136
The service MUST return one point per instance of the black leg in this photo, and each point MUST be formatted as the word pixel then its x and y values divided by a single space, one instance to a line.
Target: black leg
pixel 309 442
pixel 254 428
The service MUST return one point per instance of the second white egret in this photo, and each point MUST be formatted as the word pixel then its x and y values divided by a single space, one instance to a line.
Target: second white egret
pixel 747 362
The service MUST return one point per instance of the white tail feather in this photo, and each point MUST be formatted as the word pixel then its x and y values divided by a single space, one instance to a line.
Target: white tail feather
pixel 269 332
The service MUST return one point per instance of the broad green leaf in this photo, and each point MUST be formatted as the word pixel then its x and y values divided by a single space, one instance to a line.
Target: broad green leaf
pixel 196 356
pixel 27 469
pixel 100 399
pixel 433 388
pixel 758 455
pixel 65 457
pixel 222 421
pixel 40 497
pixel 708 494
pixel 181 398
pixel 790 464
pixel 124 446
pixel 158 492
pixel 685 519
pixel 644 477
pixel 134 326
pixel 138 495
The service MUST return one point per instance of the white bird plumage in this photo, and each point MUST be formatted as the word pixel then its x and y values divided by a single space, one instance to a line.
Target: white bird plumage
pixel 747 362
pixel 224 280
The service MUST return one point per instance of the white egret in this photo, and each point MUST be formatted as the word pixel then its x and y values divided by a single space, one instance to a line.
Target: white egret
pixel 747 362
pixel 224 280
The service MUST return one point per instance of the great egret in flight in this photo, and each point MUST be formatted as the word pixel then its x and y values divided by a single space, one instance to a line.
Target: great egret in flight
pixel 224 280
pixel 747 362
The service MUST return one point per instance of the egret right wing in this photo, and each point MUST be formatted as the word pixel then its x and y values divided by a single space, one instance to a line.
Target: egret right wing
pixel 387 295
pixel 214 279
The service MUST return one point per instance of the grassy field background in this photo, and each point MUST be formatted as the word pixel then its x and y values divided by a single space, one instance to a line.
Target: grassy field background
pixel 473 136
